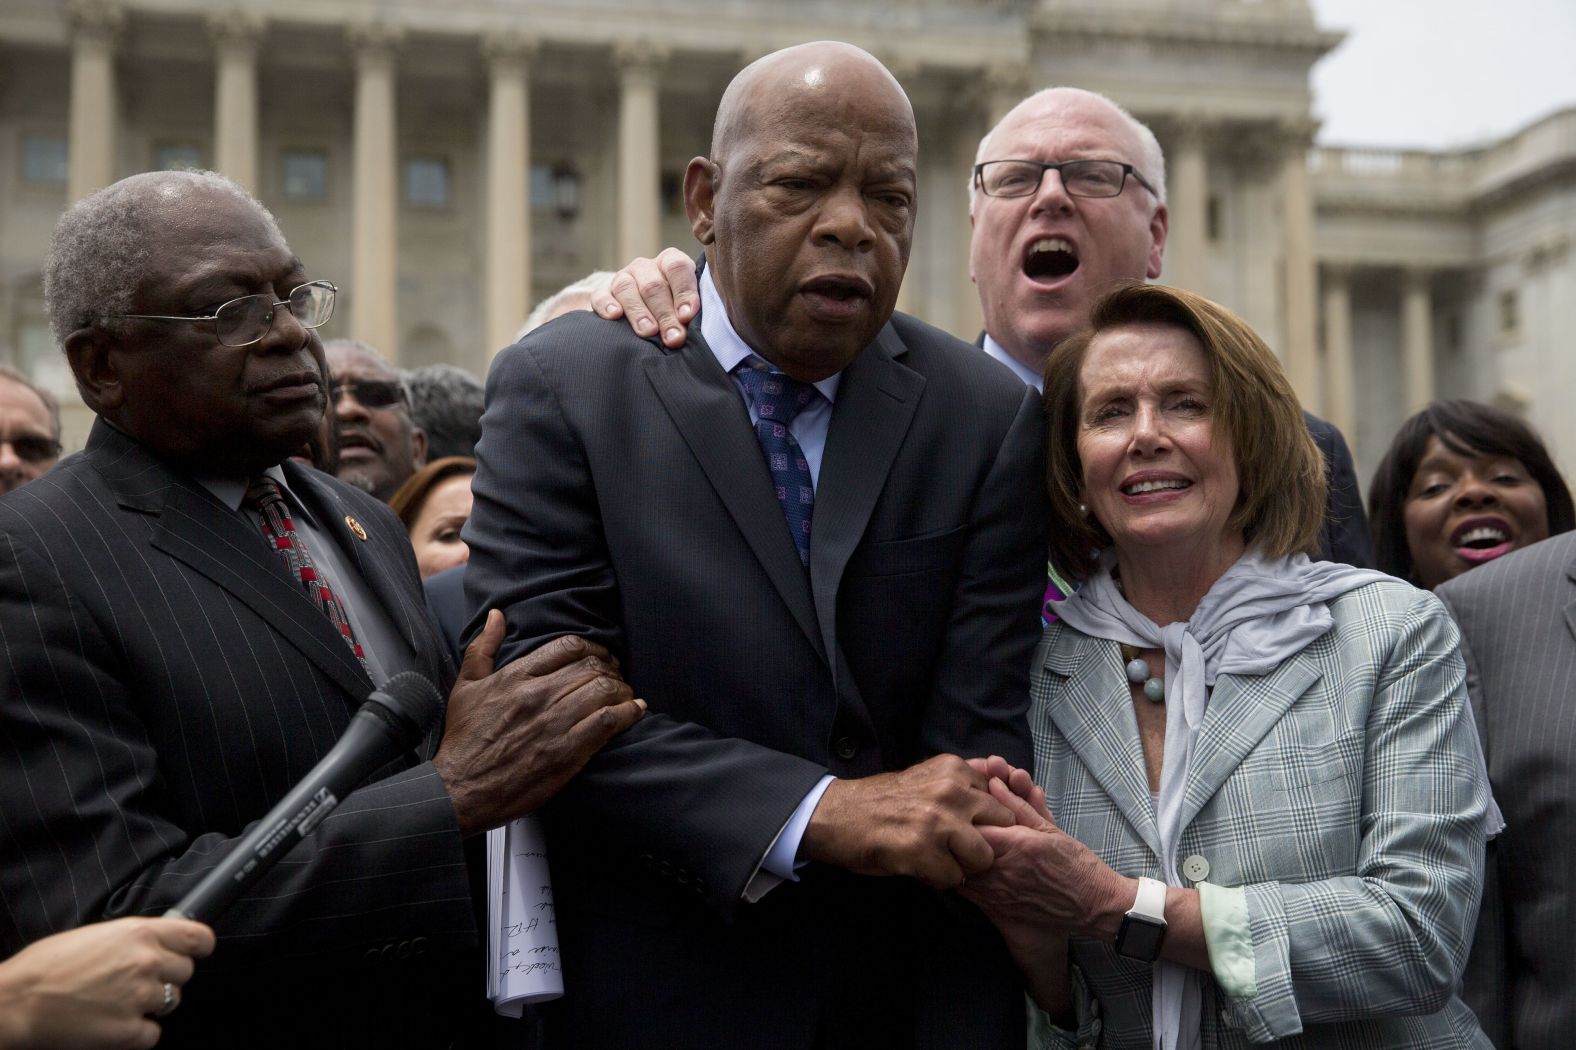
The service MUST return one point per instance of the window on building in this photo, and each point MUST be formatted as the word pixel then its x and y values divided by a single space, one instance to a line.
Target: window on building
pixel 543 195
pixel 1509 312
pixel 44 159
pixel 176 156
pixel 305 174
pixel 427 182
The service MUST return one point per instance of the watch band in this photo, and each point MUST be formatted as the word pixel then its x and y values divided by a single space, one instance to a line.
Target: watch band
pixel 1151 901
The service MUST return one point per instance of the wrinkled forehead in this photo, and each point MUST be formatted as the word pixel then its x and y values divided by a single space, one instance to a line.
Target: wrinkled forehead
pixel 1062 129
pixel 354 362
pixel 20 405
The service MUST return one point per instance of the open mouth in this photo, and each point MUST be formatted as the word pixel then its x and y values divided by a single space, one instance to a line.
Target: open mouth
pixel 355 445
pixel 1482 539
pixel 1139 488
pixel 836 296
pixel 1050 259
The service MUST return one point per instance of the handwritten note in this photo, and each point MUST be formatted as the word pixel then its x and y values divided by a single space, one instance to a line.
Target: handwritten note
pixel 522 938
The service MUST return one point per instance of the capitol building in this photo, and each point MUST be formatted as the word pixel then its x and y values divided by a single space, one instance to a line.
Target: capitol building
pixel 447 164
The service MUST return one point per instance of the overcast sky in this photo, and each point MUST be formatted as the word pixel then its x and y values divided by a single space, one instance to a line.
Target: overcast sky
pixel 1442 73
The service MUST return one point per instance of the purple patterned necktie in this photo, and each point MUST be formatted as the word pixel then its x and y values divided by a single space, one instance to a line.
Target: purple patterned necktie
pixel 777 399
pixel 279 530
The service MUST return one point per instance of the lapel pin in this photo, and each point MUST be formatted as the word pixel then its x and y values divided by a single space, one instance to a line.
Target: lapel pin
pixel 355 527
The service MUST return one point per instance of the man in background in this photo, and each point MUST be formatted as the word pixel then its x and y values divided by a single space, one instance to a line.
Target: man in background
pixel 29 430
pixel 380 445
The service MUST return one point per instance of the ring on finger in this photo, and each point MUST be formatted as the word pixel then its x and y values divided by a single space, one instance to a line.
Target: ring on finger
pixel 171 1001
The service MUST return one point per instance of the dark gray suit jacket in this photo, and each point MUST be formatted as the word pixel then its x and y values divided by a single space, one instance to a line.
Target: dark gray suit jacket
pixel 622 496
pixel 1518 634
pixel 163 683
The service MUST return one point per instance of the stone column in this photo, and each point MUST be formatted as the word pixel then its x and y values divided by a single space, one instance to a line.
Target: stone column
pixel 508 274
pixel 1417 339
pixel 1340 399
pixel 1187 247
pixel 95 24
pixel 1299 272
pixel 374 313
pixel 236 35
pixel 639 155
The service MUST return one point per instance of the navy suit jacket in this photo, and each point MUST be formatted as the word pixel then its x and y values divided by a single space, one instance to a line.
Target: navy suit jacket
pixel 163 682
pixel 622 495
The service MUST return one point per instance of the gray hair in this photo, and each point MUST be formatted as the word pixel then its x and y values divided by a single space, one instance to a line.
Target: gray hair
pixel 99 250
pixel 547 309
pixel 367 348
pixel 1151 160
pixel 50 404
pixel 446 402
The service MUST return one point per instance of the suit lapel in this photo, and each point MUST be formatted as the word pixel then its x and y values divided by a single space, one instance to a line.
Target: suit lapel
pixel 1242 709
pixel 1094 713
pixel 1570 607
pixel 196 530
pixel 375 557
pixel 207 537
pixel 876 400
pixel 709 414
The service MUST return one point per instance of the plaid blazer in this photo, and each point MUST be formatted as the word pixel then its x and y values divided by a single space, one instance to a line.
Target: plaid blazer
pixel 1338 790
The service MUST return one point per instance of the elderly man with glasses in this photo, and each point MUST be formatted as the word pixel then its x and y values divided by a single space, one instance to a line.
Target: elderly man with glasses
pixel 29 430
pixel 188 622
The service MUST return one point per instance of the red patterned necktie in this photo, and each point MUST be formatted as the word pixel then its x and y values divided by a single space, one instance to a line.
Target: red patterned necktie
pixel 264 495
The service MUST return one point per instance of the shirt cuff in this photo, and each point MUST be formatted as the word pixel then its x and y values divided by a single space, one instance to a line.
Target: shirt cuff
pixel 781 860
pixel 1228 933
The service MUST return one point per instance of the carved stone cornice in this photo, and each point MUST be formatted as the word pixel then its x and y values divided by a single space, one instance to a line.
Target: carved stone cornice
pixel 639 59
pixel 97 20
pixel 1168 28
pixel 237 28
pixel 510 49
pixel 374 41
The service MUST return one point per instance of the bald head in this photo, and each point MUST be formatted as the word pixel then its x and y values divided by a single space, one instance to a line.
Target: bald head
pixel 806 205
pixel 786 79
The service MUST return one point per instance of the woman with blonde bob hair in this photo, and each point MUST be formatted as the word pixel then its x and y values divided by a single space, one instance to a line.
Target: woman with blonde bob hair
pixel 1260 809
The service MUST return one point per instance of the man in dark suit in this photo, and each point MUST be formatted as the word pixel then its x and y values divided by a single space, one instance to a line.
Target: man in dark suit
pixel 186 626
pixel 1518 634
pixel 823 610
pixel 1047 241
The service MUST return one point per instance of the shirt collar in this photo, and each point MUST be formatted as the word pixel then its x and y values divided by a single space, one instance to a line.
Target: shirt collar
pixel 232 491
pixel 725 344
pixel 1019 369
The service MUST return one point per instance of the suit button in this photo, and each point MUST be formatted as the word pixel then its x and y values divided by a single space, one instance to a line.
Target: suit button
pixel 1195 868
pixel 845 748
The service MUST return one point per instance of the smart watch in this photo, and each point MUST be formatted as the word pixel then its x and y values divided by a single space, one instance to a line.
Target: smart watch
pixel 1143 928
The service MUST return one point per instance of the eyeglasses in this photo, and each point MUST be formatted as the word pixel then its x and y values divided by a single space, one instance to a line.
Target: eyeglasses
pixel 370 393
pixel 247 320
pixel 32 448
pixel 1080 178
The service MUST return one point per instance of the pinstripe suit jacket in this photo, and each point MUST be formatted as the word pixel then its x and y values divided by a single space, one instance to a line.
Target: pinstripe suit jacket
pixel 1338 791
pixel 1518 633
pixel 162 683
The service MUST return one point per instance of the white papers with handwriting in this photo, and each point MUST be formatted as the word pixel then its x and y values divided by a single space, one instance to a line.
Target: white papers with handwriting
pixel 522 939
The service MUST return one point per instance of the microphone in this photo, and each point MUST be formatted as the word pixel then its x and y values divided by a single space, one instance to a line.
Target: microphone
pixel 390 722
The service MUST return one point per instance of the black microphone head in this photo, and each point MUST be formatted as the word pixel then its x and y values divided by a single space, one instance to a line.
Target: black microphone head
pixel 408 703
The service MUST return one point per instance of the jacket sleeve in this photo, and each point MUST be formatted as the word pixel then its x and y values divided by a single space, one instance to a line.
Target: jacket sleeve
pixel 1392 937
pixel 88 833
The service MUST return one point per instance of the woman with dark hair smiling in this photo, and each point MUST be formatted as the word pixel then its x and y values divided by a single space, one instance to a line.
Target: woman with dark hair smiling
pixel 1463 483
pixel 1261 809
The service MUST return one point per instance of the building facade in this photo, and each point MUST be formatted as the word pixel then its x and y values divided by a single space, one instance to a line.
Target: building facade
pixel 447 165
